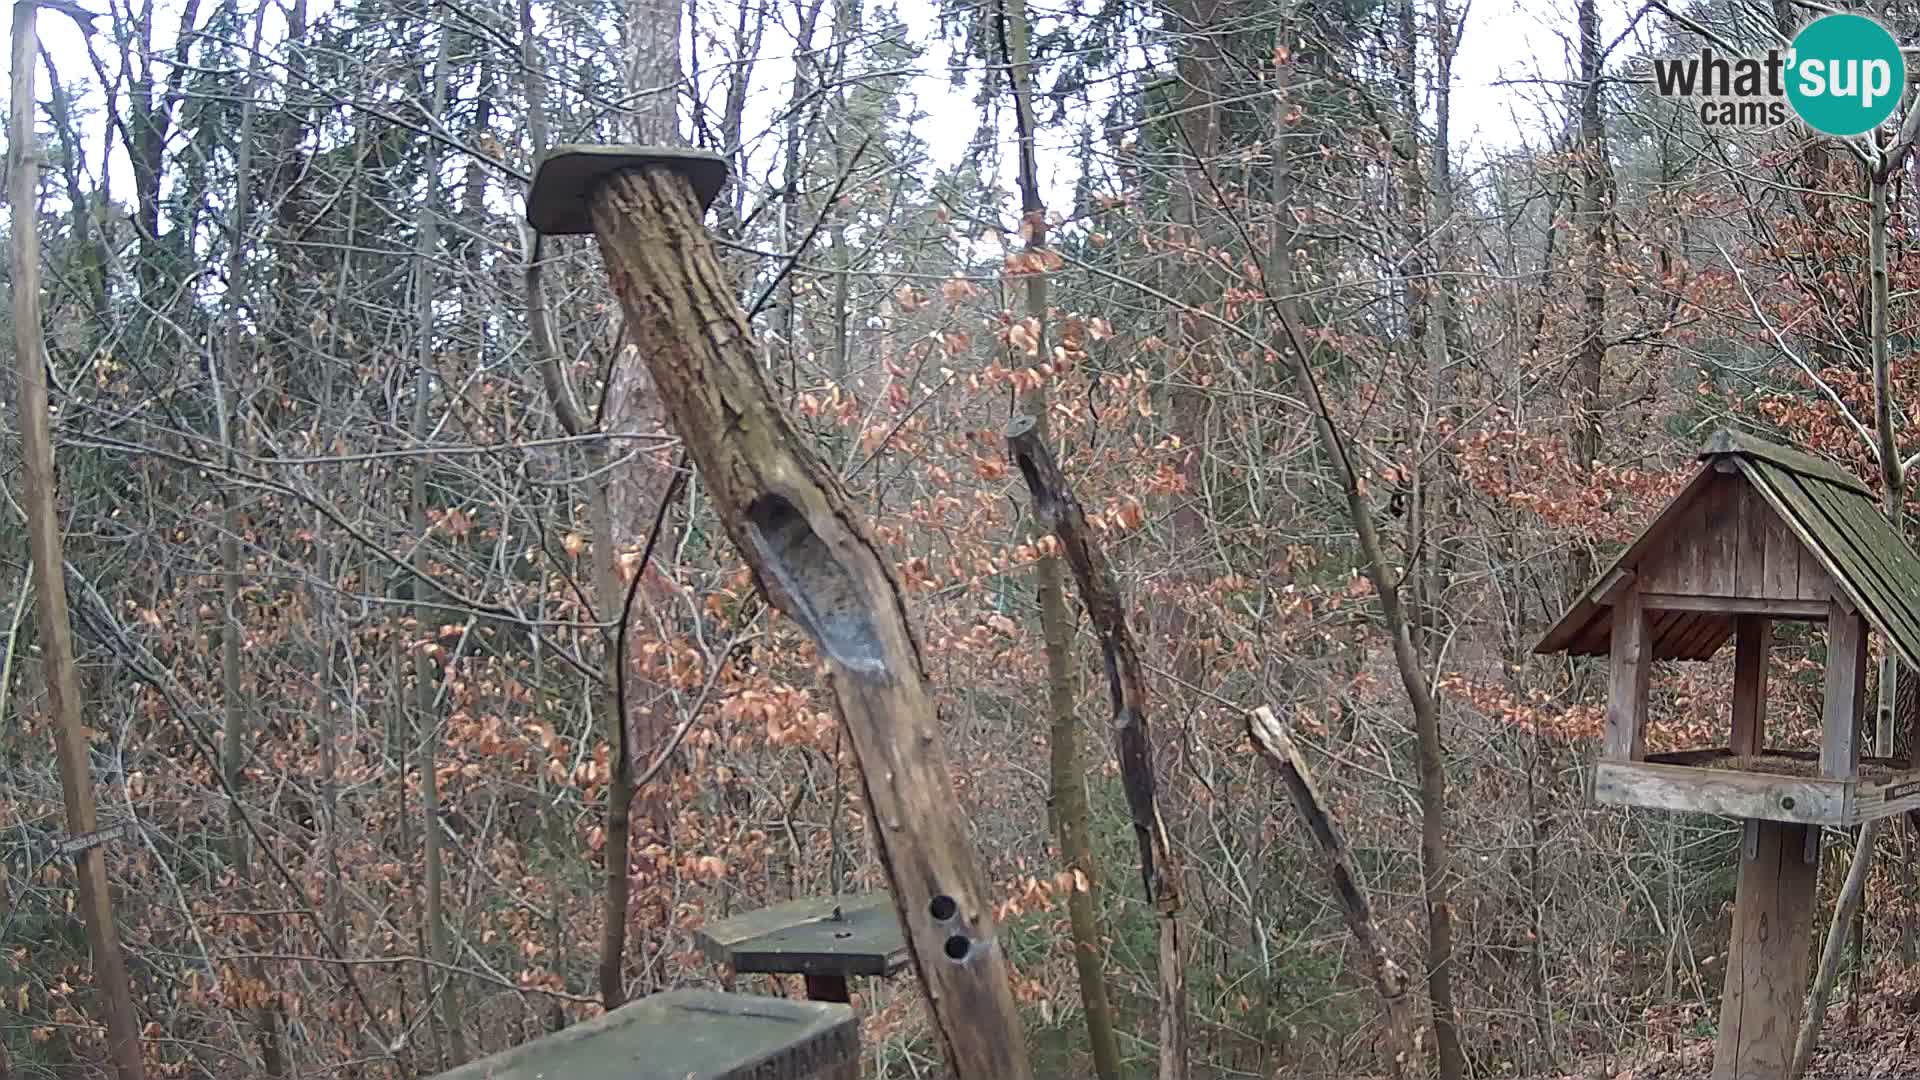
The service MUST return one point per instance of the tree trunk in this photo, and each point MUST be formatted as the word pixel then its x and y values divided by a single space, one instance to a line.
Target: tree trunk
pixel 1894 481
pixel 43 539
pixel 816 561
pixel 426 701
pixel 1057 509
pixel 1430 760
pixel 1067 778
pixel 226 403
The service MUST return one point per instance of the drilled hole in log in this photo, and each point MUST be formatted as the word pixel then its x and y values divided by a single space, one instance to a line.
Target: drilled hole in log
pixel 958 947
pixel 826 601
pixel 942 908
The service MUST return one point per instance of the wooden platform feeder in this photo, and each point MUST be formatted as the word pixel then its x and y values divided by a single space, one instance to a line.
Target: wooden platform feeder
pixel 1761 533
pixel 690 1035
pixel 827 941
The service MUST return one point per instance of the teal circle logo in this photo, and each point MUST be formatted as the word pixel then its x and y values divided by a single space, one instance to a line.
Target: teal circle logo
pixel 1847 74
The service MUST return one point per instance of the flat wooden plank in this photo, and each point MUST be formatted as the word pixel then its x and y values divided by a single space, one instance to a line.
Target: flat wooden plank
pixel 1846 691
pixel 1692 789
pixel 1717 544
pixel 1780 569
pixel 1879 571
pixel 690 1035
pixel 1815 583
pixel 1855 528
pixel 847 936
pixel 1737 605
pixel 1753 637
pixel 1750 556
pixel 1630 664
pixel 1675 566
pixel 1708 635
pixel 1894 565
pixel 1768 956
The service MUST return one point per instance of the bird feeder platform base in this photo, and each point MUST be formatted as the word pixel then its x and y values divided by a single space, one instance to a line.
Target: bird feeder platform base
pixel 1775 785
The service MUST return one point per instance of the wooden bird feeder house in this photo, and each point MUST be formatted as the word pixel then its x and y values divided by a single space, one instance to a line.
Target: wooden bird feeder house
pixel 1762 533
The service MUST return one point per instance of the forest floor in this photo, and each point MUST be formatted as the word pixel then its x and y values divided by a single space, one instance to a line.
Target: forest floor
pixel 1874 1037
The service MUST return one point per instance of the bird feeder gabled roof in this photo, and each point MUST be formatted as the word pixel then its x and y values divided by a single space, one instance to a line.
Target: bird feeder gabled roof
pixel 1759 524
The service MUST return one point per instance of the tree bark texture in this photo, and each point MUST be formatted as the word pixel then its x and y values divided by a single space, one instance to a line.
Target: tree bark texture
pixel 1057 509
pixel 817 562
pixel 43 540
pixel 1390 981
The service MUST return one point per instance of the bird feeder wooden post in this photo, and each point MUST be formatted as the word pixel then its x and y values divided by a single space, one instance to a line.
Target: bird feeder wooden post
pixel 812 555
pixel 1762 534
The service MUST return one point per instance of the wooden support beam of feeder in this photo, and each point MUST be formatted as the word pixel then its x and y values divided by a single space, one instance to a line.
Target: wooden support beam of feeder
pixel 690 1035
pixel 1060 513
pixel 1752 640
pixel 1631 665
pixel 1769 954
pixel 813 556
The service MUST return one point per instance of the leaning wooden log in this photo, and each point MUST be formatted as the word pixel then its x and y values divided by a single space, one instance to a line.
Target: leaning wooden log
pixel 812 555
pixel 1271 741
pixel 1060 513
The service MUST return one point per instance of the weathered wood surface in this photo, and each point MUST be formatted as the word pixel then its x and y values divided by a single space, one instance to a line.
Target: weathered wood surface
pixel 1768 956
pixel 1059 511
pixel 1271 740
pixel 1733 606
pixel 843 936
pixel 1728 544
pixel 1630 666
pixel 1690 788
pixel 1753 639
pixel 1846 692
pixel 816 560
pixel 689 1035
pixel 51 618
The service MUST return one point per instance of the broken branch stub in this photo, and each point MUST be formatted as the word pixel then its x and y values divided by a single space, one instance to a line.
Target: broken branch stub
pixel 1271 741
pixel 816 561
pixel 1060 512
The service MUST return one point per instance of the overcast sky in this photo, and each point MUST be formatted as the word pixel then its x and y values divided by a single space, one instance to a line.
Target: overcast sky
pixel 1511 55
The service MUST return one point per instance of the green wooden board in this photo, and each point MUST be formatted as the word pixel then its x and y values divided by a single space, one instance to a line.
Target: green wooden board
pixel 689 1035
pixel 849 935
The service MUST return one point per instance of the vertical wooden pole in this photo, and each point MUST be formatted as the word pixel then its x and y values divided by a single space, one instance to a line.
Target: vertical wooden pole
pixel 1752 640
pixel 1769 955
pixel 1631 658
pixel 1846 689
pixel 43 541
